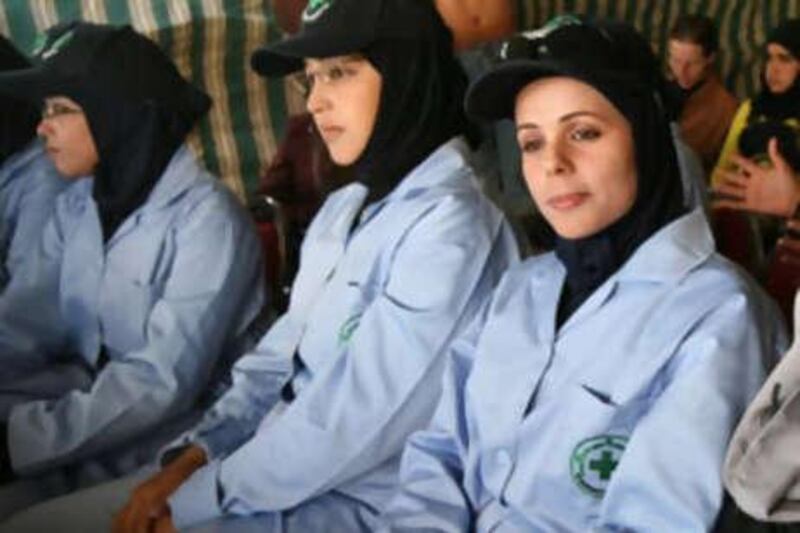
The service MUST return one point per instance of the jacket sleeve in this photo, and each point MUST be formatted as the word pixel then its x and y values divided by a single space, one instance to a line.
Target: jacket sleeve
pixel 35 208
pixel 670 473
pixel 357 412
pixel 430 495
pixel 257 380
pixel 213 289
pixel 31 325
pixel 763 461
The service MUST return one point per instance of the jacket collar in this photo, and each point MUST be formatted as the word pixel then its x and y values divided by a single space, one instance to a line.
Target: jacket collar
pixel 439 170
pixel 672 252
pixel 20 159
pixel 181 174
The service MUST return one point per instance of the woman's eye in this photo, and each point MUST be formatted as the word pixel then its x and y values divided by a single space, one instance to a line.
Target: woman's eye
pixel 585 134
pixel 530 145
pixel 336 73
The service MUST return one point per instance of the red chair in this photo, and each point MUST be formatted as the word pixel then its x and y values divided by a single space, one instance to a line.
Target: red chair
pixel 783 279
pixel 738 238
pixel 271 225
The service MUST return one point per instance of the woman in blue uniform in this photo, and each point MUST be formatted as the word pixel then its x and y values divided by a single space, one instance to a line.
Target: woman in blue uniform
pixel 392 267
pixel 599 387
pixel 29 183
pixel 148 269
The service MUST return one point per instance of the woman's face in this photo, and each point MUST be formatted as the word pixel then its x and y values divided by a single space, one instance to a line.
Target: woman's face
pixel 782 68
pixel 344 99
pixel 67 137
pixel 577 155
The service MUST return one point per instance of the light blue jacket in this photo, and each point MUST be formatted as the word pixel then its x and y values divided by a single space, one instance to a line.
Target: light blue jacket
pixel 29 185
pixel 176 283
pixel 371 313
pixel 617 422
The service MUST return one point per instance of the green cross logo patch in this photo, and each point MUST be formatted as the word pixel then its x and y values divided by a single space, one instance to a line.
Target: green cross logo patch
pixel 348 328
pixel 594 460
pixel 315 9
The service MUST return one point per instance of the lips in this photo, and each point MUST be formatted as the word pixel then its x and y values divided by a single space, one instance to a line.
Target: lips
pixel 565 202
pixel 330 132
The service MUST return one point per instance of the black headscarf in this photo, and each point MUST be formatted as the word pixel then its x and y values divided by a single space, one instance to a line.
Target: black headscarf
pixel 771 111
pixel 420 105
pixel 786 104
pixel 18 118
pixel 590 261
pixel 139 111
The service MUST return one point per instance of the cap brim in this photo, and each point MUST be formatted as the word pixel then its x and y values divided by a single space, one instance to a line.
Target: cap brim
pixel 493 96
pixel 286 56
pixel 32 84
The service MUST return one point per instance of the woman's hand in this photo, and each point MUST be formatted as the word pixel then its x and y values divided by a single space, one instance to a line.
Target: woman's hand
pixel 771 191
pixel 147 509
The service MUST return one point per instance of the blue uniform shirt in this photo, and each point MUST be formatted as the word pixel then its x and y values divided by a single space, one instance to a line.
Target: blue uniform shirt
pixel 619 421
pixel 371 313
pixel 175 284
pixel 29 185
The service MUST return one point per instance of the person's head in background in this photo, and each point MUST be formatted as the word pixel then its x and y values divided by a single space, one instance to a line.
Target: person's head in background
pixel 288 14
pixel 114 108
pixel 691 50
pixel 18 118
pixel 782 68
pixel 385 89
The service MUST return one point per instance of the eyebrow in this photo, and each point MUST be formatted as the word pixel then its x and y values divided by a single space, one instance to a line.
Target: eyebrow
pixel 565 118
pixel 352 58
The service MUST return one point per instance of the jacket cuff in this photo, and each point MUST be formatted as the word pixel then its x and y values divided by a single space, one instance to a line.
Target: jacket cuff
pixel 197 500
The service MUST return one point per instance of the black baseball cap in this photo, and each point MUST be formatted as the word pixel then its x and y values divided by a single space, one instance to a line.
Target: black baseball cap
pixel 610 56
pixel 114 60
pixel 340 27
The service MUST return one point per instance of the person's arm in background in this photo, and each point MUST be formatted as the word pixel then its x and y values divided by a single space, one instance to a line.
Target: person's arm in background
pixel 773 190
pixel 476 21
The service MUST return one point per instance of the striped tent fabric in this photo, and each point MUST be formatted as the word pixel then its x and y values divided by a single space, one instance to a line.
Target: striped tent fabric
pixel 742 25
pixel 211 42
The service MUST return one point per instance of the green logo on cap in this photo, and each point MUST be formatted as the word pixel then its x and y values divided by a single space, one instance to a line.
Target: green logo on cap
pixel 315 9
pixel 44 50
pixel 552 25
pixel 594 460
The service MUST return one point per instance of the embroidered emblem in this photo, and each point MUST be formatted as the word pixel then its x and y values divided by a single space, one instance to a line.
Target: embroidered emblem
pixel 315 9
pixel 552 25
pixel 594 460
pixel 348 328
pixel 45 50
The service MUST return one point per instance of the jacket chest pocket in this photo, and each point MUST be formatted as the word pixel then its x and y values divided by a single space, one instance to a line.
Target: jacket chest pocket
pixel 124 310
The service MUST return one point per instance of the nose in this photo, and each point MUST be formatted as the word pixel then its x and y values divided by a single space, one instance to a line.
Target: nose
pixel 44 128
pixel 317 101
pixel 554 158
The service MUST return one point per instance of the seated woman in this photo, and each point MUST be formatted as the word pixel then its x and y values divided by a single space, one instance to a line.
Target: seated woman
pixel 29 183
pixel 147 270
pixel 775 111
pixel 392 267
pixel 599 387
